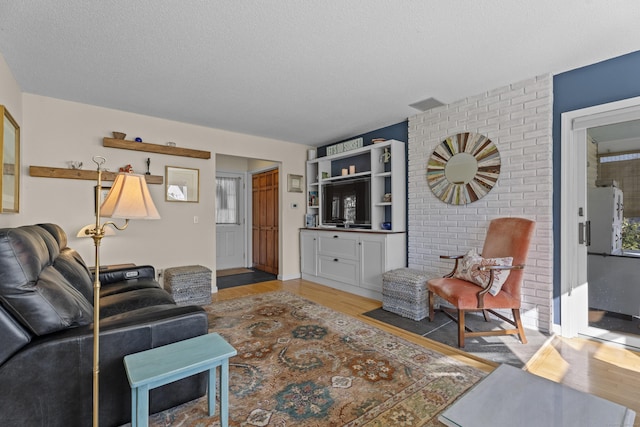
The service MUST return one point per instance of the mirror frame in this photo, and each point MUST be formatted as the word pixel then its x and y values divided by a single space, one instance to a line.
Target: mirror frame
pixel 9 169
pixel 486 154
pixel 188 178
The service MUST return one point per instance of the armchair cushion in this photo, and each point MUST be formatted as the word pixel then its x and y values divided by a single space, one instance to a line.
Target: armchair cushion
pixel 468 269
pixel 464 295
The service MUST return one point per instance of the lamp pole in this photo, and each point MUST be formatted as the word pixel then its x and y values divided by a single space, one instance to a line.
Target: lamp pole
pixel 97 234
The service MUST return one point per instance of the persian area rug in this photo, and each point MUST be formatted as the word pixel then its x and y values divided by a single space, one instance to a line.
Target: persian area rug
pixel 302 364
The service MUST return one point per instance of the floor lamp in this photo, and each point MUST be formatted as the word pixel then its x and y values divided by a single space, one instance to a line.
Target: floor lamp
pixel 129 198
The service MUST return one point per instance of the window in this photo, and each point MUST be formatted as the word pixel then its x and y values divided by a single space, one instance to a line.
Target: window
pixel 227 200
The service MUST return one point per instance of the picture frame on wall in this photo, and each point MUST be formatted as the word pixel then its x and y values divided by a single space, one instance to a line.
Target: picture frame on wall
pixel 294 183
pixel 182 184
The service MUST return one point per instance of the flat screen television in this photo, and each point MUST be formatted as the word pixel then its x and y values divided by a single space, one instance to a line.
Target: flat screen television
pixel 347 201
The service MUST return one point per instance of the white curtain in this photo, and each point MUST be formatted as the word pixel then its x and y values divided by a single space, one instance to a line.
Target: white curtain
pixel 227 195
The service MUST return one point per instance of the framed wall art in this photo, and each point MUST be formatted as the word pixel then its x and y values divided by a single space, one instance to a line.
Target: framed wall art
pixel 9 163
pixel 294 183
pixel 463 168
pixel 182 184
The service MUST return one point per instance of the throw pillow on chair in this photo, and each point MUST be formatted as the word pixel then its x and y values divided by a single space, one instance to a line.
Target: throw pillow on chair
pixel 469 270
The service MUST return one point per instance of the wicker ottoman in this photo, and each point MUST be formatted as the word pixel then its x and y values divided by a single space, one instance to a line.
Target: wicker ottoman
pixel 189 285
pixel 404 292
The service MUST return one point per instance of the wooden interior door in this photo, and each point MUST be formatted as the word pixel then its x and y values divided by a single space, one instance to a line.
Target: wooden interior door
pixel 265 221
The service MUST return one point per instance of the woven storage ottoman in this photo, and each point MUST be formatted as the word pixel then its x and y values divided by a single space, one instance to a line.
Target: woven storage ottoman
pixel 404 292
pixel 189 285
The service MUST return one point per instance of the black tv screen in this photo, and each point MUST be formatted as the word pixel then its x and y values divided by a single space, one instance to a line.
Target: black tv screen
pixel 347 201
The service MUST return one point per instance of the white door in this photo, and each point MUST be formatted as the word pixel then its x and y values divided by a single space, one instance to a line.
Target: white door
pixel 230 221
pixel 574 296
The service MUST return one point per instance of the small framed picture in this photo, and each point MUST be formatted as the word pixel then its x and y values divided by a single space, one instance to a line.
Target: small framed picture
pixel 182 184
pixel 310 220
pixel 294 183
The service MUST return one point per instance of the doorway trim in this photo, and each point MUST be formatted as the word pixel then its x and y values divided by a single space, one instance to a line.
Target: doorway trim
pixel 574 298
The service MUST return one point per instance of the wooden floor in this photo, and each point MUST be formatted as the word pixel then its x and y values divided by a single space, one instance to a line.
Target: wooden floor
pixel 604 370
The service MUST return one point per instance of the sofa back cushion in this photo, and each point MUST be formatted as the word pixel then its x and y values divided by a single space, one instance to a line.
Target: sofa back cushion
pixel 31 289
pixel 68 261
pixel 71 265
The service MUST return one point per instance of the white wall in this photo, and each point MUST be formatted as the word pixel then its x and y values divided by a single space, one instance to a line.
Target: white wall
pixel 517 118
pixel 10 94
pixel 56 131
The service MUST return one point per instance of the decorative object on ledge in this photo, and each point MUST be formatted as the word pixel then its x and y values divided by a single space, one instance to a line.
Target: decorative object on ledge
pixel 341 147
pixel 138 139
pixel 9 163
pixel 155 148
pixel 182 184
pixel 119 135
pixel 463 168
pixel 91 175
pixel 74 164
pixel 294 183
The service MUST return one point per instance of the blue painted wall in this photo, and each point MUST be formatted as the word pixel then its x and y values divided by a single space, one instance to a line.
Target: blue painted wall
pixel 600 83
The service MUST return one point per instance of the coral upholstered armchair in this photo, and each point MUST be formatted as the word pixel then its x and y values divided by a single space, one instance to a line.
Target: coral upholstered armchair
pixel 488 282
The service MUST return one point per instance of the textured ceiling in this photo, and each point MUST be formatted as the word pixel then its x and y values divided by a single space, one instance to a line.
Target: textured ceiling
pixel 300 71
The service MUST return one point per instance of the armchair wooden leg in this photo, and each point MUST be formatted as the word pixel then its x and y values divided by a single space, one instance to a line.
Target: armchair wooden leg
pixel 431 297
pixel 516 317
pixel 461 328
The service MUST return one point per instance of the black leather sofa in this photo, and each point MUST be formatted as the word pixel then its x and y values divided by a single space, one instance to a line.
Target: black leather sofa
pixel 46 333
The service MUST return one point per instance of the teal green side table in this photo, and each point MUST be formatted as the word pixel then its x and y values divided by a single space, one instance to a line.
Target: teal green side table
pixel 162 365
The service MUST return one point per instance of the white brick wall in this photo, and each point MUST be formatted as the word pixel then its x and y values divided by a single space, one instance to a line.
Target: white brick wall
pixel 518 119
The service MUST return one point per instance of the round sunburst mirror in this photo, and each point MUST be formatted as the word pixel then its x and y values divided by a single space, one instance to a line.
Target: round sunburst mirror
pixel 463 168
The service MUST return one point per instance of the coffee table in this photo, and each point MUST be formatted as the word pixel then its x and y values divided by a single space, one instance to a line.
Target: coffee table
pixel 509 396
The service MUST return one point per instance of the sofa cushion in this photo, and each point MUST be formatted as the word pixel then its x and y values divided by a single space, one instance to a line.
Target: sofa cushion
pixel 72 267
pixel 31 289
pixel 12 336
pixel 132 300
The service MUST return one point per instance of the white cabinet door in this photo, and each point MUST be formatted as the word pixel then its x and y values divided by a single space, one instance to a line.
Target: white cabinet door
pixel 338 269
pixel 338 244
pixel 372 261
pixel 309 252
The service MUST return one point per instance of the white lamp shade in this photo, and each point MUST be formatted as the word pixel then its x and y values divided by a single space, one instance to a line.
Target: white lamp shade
pixel 129 198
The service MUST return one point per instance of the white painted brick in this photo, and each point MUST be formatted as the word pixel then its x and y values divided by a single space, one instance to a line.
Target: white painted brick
pixel 518 119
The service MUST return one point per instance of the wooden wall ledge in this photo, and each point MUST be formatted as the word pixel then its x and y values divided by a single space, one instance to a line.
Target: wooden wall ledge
pixel 155 148
pixel 90 175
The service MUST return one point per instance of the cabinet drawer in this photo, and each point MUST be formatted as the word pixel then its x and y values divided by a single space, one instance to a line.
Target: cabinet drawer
pixel 340 245
pixel 341 270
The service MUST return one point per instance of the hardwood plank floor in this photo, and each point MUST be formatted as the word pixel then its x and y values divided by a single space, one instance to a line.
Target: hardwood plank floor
pixel 604 370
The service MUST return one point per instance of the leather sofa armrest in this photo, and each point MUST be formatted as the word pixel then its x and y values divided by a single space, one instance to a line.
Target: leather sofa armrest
pixel 127 273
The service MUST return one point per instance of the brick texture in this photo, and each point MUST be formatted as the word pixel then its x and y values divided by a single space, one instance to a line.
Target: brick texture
pixel 518 119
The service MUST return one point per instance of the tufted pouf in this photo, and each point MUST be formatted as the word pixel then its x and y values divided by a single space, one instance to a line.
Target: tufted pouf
pixel 189 285
pixel 404 292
